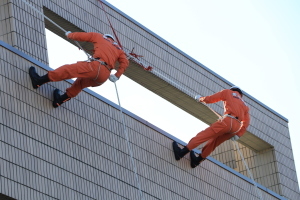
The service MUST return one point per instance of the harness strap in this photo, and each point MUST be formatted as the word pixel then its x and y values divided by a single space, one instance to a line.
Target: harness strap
pixel 233 117
pixel 101 62
pixel 97 73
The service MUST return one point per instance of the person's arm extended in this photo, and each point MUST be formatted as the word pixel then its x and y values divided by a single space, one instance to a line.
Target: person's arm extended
pixel 82 36
pixel 219 96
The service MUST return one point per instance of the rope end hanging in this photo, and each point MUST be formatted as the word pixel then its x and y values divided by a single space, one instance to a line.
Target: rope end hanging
pixel 131 55
pixel 102 4
pixel 149 68
pixel 134 54
pixel 135 58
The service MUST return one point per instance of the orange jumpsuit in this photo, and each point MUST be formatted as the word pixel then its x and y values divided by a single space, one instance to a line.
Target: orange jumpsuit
pixel 91 74
pixel 226 127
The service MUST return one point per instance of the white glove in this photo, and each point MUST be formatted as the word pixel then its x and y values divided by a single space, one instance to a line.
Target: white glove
pixel 235 138
pixel 197 98
pixel 67 33
pixel 113 78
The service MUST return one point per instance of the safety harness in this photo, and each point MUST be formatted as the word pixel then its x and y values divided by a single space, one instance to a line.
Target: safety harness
pixel 233 117
pixel 101 62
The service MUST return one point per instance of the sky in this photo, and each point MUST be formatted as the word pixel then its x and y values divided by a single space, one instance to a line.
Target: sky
pixel 253 44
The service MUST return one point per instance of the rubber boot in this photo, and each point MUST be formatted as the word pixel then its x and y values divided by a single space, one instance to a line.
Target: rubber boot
pixel 178 152
pixel 195 161
pixel 37 80
pixel 59 99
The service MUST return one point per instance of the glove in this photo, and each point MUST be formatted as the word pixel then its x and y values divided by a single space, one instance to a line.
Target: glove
pixel 113 78
pixel 235 138
pixel 197 98
pixel 67 33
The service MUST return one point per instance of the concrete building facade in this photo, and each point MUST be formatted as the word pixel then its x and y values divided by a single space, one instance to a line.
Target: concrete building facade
pixel 80 150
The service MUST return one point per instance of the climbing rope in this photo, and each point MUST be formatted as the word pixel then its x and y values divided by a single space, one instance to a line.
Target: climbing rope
pixel 184 90
pixel 248 170
pixel 130 55
pixel 77 43
pixel 111 24
pixel 128 144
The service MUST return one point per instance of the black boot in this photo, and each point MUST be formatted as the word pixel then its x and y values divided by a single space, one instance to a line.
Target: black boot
pixel 37 80
pixel 178 152
pixel 195 161
pixel 59 99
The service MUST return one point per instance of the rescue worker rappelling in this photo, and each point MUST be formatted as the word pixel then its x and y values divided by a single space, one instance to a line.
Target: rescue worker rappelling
pixel 91 73
pixel 232 125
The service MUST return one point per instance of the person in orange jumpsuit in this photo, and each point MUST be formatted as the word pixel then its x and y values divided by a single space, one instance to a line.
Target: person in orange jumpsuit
pixel 232 125
pixel 91 73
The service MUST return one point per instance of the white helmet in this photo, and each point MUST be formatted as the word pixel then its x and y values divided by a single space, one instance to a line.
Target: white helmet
pixel 236 88
pixel 109 36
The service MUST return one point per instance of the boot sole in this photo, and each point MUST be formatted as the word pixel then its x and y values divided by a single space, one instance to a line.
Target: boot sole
pixel 194 163
pixel 55 97
pixel 176 149
pixel 33 73
pixel 195 160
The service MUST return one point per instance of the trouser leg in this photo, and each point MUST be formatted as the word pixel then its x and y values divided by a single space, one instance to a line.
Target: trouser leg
pixel 78 85
pixel 201 137
pixel 89 75
pixel 233 126
pixel 83 82
pixel 208 148
pixel 212 144
pixel 216 134
pixel 79 69
pixel 218 128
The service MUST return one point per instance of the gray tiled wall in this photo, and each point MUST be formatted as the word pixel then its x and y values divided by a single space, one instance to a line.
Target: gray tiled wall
pixel 78 151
